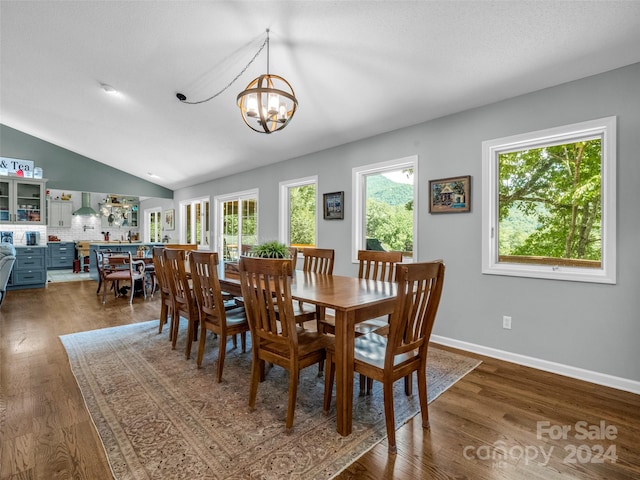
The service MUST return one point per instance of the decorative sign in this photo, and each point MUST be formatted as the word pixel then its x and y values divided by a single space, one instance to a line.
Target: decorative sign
pixel 17 167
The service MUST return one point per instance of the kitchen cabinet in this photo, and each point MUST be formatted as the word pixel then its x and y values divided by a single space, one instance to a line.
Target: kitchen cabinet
pixel 22 201
pixel 60 213
pixel 61 255
pixel 30 269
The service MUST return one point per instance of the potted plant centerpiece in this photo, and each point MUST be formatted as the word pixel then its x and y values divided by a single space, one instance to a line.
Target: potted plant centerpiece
pixel 272 249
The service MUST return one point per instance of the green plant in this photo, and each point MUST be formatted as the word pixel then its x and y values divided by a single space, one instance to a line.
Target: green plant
pixel 272 249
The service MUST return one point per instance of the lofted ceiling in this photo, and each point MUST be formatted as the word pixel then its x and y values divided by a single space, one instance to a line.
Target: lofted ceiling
pixel 358 68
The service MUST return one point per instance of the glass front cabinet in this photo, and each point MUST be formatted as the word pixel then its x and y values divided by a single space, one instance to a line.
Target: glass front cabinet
pixel 22 201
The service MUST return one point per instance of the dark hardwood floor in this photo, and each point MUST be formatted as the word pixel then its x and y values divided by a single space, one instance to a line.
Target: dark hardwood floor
pixel 502 421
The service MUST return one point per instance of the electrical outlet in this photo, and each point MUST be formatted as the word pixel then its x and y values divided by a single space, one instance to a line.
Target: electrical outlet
pixel 506 322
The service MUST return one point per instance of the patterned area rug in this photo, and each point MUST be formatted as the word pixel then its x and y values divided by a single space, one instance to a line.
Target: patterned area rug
pixel 160 417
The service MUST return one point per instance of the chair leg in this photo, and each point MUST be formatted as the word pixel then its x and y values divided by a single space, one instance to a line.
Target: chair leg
pixel 133 284
pixel 422 395
pixel 201 345
pixel 256 366
pixel 243 341
pixel 366 385
pixel 163 316
pixel 293 393
pixel 175 325
pixel 190 337
pixel 222 351
pixel 408 385
pixel 389 416
pixel 329 376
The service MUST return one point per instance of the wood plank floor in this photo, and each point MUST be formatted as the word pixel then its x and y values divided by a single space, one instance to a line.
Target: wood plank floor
pixel 487 426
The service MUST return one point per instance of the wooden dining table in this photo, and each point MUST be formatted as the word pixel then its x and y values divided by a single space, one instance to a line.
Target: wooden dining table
pixel 353 300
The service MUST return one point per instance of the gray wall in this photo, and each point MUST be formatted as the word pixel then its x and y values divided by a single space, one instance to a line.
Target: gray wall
pixel 583 325
pixel 66 170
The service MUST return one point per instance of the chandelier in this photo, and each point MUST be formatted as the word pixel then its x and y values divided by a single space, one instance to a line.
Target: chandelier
pixel 267 104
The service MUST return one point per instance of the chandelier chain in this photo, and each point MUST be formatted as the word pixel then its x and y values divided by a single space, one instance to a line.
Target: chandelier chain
pixel 265 43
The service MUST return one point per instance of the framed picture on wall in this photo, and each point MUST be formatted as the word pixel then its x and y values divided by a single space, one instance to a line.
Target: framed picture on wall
pixel 333 206
pixel 450 195
pixel 169 219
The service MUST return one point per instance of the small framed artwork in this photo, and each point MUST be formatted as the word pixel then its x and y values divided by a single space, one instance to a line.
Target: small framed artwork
pixel 334 206
pixel 450 195
pixel 169 219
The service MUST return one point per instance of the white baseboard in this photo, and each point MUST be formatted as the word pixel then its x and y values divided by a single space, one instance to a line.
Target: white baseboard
pixel 566 370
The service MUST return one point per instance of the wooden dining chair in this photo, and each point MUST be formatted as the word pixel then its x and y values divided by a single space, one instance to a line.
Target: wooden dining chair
pixel 404 350
pixel 122 267
pixel 266 286
pixel 166 297
pixel 214 316
pixel 184 304
pixel 99 259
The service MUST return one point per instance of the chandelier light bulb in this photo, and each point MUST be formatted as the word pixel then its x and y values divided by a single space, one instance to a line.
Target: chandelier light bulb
pixel 252 105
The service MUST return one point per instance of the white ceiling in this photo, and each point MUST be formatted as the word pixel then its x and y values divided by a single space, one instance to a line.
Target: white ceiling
pixel 358 68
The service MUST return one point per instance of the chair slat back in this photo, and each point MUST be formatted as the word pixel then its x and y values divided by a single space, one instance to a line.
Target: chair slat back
pixel 266 289
pixel 378 265
pixel 157 253
pixel 206 284
pixel 120 261
pixel 419 292
pixel 177 276
pixel 318 260
pixel 293 252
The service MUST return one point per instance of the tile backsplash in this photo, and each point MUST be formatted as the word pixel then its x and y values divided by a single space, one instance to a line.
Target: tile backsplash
pixel 82 229
pixel 89 228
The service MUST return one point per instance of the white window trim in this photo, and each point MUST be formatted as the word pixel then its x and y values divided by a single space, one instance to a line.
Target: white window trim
pixel 357 187
pixel 182 218
pixel 284 214
pixel 217 220
pixel 564 134
pixel 147 218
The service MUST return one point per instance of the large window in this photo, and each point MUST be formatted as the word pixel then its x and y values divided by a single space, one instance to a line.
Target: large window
pixel 195 221
pixel 298 212
pixel 549 203
pixel 153 225
pixel 384 207
pixel 236 218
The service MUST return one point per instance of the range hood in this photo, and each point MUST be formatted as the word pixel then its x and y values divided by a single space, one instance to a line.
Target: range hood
pixel 85 209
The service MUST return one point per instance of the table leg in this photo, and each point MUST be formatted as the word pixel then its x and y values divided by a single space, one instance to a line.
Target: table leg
pixel 345 322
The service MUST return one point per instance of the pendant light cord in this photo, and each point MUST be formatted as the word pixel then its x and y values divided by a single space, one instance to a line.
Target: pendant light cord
pixel 183 97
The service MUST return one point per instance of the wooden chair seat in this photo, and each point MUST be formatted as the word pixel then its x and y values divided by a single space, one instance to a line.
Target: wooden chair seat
pixel 309 344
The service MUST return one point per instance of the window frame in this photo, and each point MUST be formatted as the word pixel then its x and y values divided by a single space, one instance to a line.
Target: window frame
pixel 358 175
pixel 284 226
pixel 218 200
pixel 491 149
pixel 204 240
pixel 147 227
